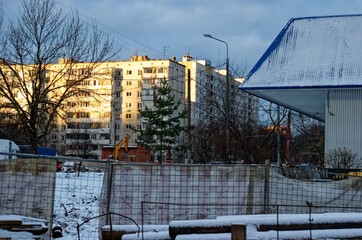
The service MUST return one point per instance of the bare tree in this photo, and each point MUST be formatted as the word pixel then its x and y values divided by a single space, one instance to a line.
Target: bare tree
pixel 257 137
pixel 308 140
pixel 42 35
pixel 342 158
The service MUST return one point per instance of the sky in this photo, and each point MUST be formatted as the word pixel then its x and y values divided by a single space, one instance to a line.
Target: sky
pixel 170 28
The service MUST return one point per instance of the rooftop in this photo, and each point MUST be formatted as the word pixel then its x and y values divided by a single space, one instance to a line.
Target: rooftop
pixel 310 56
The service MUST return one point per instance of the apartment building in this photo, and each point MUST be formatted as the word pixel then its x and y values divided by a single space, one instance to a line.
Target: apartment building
pixel 208 93
pixel 109 104
pixel 122 88
pixel 134 89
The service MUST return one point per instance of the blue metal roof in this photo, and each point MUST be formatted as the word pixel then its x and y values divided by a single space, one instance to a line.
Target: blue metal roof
pixel 311 53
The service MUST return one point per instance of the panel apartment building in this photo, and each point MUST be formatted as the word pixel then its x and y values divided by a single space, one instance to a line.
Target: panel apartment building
pixel 126 87
pixel 121 89
pixel 208 93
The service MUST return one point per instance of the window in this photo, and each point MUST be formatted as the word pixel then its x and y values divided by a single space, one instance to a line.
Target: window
pixel 128 115
pixel 85 82
pixel 128 83
pixel 105 115
pixel 84 104
pixel 83 115
pixel 71 104
pixel 96 104
pixel 139 105
pixel 148 81
pixel 161 70
pixel 139 94
pixel 84 71
pixel 118 73
pixel 128 94
pixel 147 92
pixel 128 104
pixel 129 72
pixel 139 72
pixel 147 70
pixel 128 126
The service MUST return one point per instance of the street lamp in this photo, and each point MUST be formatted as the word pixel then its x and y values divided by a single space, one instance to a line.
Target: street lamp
pixel 227 89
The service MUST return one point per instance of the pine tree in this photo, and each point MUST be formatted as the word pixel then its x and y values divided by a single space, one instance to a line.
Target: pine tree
pixel 164 121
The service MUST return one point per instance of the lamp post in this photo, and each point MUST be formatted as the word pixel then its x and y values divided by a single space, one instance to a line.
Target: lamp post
pixel 227 90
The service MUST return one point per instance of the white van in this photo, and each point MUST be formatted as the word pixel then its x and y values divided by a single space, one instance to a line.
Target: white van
pixel 8 146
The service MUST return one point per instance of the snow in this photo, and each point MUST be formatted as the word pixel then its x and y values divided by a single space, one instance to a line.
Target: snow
pixel 252 221
pixel 312 52
pixel 70 188
pixel 252 233
pixel 21 218
pixel 214 236
pixel 25 221
pixel 80 197
pixel 5 146
pixel 16 235
pixel 134 228
pixel 287 219
pixel 147 235
pixel 309 57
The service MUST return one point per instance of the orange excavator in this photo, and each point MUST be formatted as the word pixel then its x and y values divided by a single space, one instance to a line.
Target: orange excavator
pixel 117 149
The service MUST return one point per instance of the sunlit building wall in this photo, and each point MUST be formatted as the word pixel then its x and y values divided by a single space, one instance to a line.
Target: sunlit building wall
pixel 208 93
pixel 134 89
pixel 120 89
pixel 117 91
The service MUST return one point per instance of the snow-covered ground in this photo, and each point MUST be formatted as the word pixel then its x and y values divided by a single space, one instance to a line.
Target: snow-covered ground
pixel 77 199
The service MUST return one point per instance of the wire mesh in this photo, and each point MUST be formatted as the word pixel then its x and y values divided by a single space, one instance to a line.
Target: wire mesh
pixel 125 193
pixel 173 192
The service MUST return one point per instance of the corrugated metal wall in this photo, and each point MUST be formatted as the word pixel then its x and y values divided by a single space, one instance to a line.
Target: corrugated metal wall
pixel 344 120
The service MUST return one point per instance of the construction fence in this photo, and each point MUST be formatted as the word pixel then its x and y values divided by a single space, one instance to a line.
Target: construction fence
pixel 158 194
pixel 104 192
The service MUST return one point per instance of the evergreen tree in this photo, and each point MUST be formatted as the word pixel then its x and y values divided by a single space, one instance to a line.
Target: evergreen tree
pixel 163 125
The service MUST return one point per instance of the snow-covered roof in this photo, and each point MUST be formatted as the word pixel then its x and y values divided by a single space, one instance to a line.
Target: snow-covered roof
pixel 309 56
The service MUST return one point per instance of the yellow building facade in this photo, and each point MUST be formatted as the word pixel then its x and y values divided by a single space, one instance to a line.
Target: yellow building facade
pixel 107 104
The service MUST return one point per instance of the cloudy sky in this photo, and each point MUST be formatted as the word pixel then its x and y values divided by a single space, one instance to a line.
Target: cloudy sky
pixel 159 28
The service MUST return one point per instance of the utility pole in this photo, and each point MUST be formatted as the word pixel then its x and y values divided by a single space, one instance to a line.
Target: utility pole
pixel 278 136
pixel 164 52
pixel 189 114
pixel 287 145
pixel 227 94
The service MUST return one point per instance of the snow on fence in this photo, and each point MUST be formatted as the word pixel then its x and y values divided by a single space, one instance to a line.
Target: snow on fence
pixel 159 194
pixel 27 187
pixel 32 187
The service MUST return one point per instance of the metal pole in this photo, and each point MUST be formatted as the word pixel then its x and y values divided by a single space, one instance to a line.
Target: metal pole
pixel 189 114
pixel 227 103
pixel 278 137
pixel 227 93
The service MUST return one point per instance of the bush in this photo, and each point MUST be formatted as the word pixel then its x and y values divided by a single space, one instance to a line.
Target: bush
pixel 341 158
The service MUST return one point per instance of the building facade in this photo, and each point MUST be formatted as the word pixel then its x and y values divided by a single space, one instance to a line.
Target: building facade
pixel 107 105
pixel 208 94
pixel 122 89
